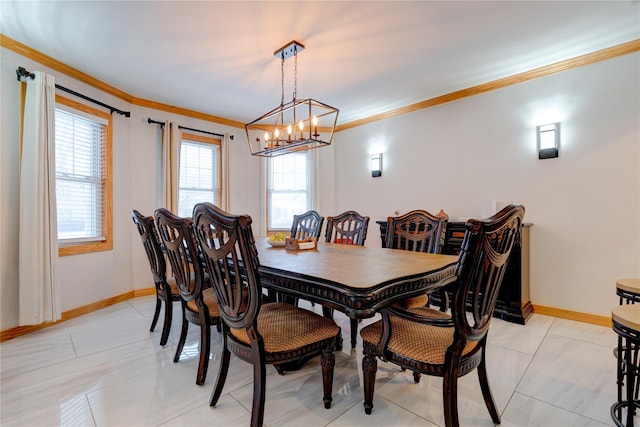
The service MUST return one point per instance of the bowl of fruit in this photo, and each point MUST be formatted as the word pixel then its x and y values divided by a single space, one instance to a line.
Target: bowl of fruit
pixel 277 239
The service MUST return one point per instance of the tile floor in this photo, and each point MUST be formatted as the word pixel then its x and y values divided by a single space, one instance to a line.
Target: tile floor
pixel 107 369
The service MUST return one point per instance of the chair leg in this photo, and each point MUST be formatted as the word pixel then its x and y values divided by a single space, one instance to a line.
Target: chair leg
pixel 156 314
pixel 222 373
pixel 327 312
pixel 205 348
pixel 354 332
pixel 369 368
pixel 631 378
pixel 259 379
pixel 183 335
pixel 166 327
pixel 328 362
pixel 450 397
pixel 486 390
pixel 444 300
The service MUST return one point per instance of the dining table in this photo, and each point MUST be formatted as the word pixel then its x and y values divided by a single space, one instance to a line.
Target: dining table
pixel 355 280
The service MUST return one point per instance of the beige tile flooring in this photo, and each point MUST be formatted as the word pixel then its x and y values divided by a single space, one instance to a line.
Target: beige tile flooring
pixel 107 369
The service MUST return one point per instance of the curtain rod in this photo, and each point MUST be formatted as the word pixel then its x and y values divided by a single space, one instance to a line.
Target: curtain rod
pixel 21 72
pixel 149 120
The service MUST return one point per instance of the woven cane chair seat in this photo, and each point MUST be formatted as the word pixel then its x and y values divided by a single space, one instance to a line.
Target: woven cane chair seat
pixel 286 327
pixel 416 341
pixel 209 298
pixel 419 301
pixel 173 286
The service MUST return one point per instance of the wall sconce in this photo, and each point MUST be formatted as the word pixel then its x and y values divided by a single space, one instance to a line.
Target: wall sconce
pixel 548 140
pixel 376 165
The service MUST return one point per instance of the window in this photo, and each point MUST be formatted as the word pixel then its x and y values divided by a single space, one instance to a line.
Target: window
pixel 83 178
pixel 288 189
pixel 200 168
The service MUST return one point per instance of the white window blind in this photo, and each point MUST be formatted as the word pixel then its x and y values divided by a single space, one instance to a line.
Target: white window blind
pixel 199 179
pixel 80 181
pixel 80 177
pixel 288 189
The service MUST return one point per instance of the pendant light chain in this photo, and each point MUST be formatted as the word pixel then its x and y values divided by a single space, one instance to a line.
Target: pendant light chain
pixel 295 74
pixel 282 81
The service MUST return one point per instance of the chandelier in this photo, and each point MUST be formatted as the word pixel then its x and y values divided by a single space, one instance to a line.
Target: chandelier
pixel 301 124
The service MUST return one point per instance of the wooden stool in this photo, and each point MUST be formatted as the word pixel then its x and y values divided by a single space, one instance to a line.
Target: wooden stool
pixel 628 290
pixel 626 323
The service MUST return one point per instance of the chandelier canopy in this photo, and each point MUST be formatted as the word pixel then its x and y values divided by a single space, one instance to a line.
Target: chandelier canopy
pixel 301 124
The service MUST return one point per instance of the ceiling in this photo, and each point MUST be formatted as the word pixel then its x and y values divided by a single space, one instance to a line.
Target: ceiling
pixel 361 57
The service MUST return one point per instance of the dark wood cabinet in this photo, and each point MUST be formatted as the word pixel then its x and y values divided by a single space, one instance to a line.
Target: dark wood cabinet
pixel 514 301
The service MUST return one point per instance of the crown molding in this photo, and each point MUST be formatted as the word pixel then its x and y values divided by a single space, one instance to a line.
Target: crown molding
pixel 579 61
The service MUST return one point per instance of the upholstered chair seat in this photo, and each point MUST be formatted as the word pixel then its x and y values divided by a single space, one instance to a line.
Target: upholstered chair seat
pixel 209 297
pixel 423 344
pixel 286 328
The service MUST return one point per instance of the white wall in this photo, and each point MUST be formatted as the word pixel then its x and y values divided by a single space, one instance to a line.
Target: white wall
pixel 85 278
pixel 145 175
pixel 462 157
pixel 93 277
pixel 468 155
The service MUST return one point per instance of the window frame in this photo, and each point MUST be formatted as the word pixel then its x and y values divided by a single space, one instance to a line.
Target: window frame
pixel 309 190
pixel 200 139
pixel 76 248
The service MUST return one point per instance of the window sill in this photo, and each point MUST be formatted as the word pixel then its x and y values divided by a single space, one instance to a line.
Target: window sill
pixel 85 248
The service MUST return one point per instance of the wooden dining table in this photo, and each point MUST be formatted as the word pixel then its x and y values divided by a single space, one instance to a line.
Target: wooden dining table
pixel 356 280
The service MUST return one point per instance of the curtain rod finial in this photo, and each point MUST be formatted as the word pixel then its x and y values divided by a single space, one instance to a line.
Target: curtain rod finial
pixel 22 72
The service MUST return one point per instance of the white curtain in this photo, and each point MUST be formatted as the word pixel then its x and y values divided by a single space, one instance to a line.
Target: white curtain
pixel 171 140
pixel 39 291
pixel 225 203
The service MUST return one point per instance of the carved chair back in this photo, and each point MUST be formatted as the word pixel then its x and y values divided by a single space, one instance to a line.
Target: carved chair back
pixel 481 266
pixel 308 224
pixel 150 241
pixel 231 259
pixel 418 231
pixel 348 228
pixel 181 248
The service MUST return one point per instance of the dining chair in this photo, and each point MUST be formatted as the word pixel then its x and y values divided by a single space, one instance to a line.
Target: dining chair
pixel 198 300
pixel 431 342
pixel 166 288
pixel 258 332
pixel 417 231
pixel 306 225
pixel 348 228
